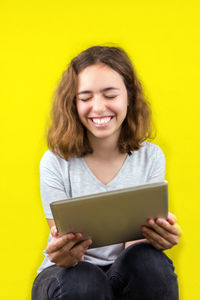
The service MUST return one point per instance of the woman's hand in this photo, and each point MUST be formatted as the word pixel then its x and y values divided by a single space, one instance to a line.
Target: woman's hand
pixel 60 249
pixel 162 234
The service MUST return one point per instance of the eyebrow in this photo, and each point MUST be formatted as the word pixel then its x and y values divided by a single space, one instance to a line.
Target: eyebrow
pixel 104 90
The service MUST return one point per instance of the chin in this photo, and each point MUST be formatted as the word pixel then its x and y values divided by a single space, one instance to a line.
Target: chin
pixel 103 134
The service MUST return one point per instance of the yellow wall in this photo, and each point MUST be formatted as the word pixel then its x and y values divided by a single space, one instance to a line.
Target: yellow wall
pixel 38 38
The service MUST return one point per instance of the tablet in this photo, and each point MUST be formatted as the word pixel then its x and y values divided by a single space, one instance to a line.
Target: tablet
pixel 112 217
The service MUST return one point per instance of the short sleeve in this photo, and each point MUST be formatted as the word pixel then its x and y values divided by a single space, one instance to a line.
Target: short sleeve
pixel 52 187
pixel 157 172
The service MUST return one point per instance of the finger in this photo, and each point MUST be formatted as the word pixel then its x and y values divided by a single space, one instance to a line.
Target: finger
pixel 172 217
pixel 64 255
pixel 67 262
pixel 172 237
pixel 72 256
pixel 174 229
pixel 70 239
pixel 83 246
pixel 160 224
pixel 154 231
pixel 157 240
pixel 155 244
pixel 70 250
pixel 170 221
pixel 79 250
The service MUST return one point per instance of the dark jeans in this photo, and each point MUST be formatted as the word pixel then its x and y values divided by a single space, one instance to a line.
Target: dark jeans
pixel 140 272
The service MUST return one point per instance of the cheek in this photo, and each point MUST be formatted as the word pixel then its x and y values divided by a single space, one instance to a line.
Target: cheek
pixel 82 110
pixel 120 108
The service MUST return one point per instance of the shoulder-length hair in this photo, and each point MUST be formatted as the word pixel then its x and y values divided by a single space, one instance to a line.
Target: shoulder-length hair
pixel 67 137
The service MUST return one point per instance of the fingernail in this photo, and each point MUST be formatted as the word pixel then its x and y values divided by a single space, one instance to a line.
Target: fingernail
pixel 79 235
pixel 159 221
pixel 150 221
pixel 70 235
pixel 144 229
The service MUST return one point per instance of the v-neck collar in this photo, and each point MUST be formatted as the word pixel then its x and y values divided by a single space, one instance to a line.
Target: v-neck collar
pixel 89 171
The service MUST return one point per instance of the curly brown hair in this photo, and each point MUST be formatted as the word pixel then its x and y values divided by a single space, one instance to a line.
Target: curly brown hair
pixel 67 137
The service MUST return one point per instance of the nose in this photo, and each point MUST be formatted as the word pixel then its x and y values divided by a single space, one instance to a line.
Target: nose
pixel 98 105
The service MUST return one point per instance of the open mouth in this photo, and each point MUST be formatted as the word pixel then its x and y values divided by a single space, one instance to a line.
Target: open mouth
pixel 101 121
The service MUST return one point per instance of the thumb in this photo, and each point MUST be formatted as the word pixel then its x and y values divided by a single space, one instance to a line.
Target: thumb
pixel 170 221
pixel 171 218
pixel 54 231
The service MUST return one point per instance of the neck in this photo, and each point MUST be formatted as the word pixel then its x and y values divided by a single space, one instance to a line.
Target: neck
pixel 105 148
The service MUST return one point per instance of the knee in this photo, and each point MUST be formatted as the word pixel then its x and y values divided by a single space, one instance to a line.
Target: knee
pixel 84 281
pixel 144 257
pixel 146 270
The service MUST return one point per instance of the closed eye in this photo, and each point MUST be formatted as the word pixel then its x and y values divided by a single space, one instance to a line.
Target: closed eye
pixel 85 99
pixel 108 97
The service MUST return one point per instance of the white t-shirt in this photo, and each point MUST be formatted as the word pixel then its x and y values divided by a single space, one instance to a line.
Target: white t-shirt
pixel 61 179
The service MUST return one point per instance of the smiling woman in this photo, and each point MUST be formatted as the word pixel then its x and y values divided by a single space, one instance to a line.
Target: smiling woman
pixel 95 74
pixel 97 141
pixel 102 114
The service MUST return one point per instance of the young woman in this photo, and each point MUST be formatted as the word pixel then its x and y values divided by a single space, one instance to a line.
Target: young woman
pixel 97 143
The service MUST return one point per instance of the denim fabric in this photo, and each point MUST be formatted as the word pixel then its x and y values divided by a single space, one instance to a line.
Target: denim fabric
pixel 140 272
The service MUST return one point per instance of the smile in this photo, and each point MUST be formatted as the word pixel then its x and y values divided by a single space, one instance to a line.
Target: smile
pixel 100 121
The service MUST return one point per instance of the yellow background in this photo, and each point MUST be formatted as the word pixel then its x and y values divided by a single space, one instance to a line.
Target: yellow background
pixel 37 40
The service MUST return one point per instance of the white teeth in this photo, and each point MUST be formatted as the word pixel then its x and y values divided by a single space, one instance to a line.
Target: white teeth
pixel 101 121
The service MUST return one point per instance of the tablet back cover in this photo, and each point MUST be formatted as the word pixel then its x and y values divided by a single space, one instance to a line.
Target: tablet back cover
pixel 112 217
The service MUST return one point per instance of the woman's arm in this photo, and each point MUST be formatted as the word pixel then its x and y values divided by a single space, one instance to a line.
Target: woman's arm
pixel 127 244
pixel 50 222
pixel 62 250
pixel 162 234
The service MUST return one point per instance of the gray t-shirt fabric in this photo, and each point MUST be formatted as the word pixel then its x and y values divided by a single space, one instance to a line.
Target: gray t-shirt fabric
pixel 61 179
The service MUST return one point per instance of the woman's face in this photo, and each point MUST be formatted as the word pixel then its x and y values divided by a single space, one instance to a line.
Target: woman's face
pixel 101 100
